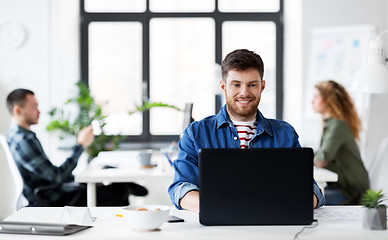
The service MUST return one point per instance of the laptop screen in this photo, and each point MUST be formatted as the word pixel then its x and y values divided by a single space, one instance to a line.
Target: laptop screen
pixel 268 186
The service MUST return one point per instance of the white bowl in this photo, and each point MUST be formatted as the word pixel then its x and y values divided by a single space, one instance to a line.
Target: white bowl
pixel 148 220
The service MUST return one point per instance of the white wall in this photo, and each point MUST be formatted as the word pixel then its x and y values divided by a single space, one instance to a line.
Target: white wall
pixel 311 14
pixel 26 66
pixel 293 63
pixel 47 62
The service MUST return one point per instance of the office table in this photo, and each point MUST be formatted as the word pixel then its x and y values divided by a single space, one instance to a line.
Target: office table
pixel 156 180
pixel 344 222
pixel 127 169
pixel 322 176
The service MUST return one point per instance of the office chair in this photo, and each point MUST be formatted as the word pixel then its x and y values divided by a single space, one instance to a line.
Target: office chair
pixel 40 193
pixel 11 183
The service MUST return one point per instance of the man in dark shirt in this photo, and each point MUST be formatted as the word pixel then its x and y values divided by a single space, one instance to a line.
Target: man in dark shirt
pixel 37 170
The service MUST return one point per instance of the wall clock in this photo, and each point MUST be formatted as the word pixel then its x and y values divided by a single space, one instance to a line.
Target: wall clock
pixel 12 35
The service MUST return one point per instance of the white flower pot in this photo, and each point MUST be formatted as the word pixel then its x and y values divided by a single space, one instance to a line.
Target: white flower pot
pixel 375 218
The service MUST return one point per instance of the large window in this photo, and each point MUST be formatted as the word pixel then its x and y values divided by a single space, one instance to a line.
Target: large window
pixel 169 51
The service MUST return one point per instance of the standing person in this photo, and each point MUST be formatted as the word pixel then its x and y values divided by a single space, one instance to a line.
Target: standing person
pixel 239 124
pixel 37 170
pixel 339 151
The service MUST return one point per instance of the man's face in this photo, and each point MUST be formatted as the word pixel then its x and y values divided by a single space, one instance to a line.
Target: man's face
pixel 242 91
pixel 29 113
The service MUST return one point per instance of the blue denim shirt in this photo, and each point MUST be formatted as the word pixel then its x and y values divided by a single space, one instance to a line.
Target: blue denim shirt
pixel 217 131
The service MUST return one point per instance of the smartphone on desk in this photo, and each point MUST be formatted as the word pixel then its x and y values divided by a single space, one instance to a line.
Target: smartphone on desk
pixel 108 166
pixel 173 219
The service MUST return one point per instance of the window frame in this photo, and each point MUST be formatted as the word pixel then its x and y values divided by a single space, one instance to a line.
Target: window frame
pixel 145 17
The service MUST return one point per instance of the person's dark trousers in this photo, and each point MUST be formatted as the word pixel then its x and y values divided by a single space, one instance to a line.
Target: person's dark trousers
pixel 115 194
pixel 334 196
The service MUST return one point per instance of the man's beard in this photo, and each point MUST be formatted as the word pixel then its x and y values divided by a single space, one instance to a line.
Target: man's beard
pixel 32 121
pixel 245 112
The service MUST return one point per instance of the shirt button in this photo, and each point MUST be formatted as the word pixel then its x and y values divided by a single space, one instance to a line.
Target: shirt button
pixel 235 138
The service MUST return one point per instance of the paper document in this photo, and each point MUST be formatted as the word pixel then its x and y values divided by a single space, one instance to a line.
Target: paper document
pixel 77 215
pixel 336 214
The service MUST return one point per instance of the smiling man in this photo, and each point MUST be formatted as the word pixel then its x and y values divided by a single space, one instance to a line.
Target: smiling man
pixel 239 124
pixel 242 91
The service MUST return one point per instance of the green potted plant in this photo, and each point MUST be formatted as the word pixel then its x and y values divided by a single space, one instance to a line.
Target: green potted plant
pixel 375 213
pixel 88 110
pixel 148 105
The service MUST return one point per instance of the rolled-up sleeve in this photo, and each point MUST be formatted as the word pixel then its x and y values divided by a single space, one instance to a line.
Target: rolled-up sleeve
pixel 186 169
pixel 181 190
pixel 318 193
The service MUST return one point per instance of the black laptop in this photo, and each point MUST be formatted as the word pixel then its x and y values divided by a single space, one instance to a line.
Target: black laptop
pixel 267 186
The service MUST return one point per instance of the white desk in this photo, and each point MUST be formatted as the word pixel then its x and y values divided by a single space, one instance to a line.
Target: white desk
pixel 334 223
pixel 155 181
pixel 128 170
pixel 322 176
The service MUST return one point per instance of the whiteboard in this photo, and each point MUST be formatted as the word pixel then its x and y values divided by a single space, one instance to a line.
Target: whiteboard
pixel 336 53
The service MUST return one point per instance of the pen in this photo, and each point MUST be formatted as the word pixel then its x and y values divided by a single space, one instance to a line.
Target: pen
pixel 168 158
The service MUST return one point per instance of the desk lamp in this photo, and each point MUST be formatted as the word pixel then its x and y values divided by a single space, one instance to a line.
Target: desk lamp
pixel 373 77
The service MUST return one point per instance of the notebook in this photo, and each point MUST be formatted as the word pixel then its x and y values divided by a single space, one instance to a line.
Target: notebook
pixel 267 186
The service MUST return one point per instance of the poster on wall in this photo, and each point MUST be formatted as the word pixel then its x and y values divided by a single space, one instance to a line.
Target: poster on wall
pixel 336 53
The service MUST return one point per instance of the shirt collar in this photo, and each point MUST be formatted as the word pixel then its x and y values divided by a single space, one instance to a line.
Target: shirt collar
pixel 16 128
pixel 262 123
pixel 328 119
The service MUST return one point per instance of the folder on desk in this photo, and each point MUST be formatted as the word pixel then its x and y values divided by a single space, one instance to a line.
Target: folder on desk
pixel 40 228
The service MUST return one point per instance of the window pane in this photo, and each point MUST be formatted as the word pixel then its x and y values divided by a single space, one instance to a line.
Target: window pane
pixel 182 5
pixel 115 5
pixel 259 37
pixel 115 73
pixel 182 70
pixel 248 5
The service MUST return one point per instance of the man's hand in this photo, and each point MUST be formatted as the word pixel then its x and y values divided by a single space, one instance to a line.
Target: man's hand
pixel 86 136
pixel 190 201
pixel 315 200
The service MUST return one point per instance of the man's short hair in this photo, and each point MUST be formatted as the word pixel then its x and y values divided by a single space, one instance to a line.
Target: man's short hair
pixel 240 60
pixel 17 97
